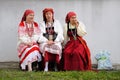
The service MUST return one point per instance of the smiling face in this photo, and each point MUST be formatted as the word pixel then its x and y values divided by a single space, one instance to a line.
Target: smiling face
pixel 30 17
pixel 49 16
pixel 73 20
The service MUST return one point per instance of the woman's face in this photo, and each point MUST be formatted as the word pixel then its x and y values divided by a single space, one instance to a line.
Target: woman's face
pixel 49 16
pixel 73 19
pixel 30 17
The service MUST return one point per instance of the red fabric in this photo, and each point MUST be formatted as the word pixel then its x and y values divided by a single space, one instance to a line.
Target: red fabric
pixel 69 15
pixel 76 55
pixel 36 24
pixel 23 51
pixel 30 51
pixel 22 24
pixel 87 52
pixel 51 57
pixel 45 11
pixel 48 9
pixel 26 13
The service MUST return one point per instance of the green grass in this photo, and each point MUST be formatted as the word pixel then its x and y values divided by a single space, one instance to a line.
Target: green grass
pixel 15 74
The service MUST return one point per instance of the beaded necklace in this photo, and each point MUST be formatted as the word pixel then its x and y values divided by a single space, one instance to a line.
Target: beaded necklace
pixel 29 30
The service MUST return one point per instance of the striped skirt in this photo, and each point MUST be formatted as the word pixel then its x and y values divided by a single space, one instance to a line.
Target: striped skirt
pixel 29 54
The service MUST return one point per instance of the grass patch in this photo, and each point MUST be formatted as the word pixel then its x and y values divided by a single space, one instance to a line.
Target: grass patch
pixel 15 74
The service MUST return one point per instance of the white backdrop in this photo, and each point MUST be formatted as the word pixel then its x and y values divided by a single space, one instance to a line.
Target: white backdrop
pixel 101 17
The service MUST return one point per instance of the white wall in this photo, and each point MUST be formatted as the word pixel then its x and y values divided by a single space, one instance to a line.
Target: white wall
pixel 101 17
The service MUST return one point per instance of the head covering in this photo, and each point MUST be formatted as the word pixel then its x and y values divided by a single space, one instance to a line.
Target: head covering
pixel 69 15
pixel 26 13
pixel 45 11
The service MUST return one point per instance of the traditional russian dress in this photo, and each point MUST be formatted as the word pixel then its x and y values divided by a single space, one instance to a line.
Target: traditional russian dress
pixel 76 53
pixel 48 51
pixel 27 34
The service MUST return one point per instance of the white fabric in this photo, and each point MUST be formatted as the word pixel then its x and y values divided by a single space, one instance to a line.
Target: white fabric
pixel 27 49
pixel 35 38
pixel 59 39
pixel 80 31
pixel 54 49
pixel 34 56
pixel 23 40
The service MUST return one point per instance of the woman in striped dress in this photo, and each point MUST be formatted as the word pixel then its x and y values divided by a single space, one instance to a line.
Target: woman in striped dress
pixel 28 34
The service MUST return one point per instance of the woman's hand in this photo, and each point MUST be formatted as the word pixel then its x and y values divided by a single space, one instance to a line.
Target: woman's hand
pixel 76 23
pixel 50 42
pixel 30 44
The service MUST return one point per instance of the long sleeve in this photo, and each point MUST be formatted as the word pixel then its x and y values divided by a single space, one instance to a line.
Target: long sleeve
pixel 81 29
pixel 22 36
pixel 36 34
pixel 59 30
pixel 66 38
pixel 42 39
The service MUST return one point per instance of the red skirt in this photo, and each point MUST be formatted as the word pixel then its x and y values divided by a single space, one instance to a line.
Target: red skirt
pixel 75 56
pixel 51 57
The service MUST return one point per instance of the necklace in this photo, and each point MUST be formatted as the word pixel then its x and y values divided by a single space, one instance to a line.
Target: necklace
pixel 29 30
pixel 50 28
pixel 74 35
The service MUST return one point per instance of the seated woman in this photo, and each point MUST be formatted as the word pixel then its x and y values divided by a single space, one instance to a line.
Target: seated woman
pixel 51 38
pixel 28 34
pixel 76 53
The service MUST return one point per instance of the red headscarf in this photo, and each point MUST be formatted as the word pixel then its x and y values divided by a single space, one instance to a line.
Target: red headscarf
pixel 27 12
pixel 45 11
pixel 69 15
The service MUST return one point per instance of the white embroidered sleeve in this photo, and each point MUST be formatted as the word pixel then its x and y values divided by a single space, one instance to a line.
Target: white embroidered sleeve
pixel 59 38
pixel 42 39
pixel 81 29
pixel 65 35
pixel 35 38
pixel 59 30
pixel 24 39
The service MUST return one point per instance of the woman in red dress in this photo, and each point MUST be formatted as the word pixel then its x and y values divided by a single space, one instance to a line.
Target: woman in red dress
pixel 76 53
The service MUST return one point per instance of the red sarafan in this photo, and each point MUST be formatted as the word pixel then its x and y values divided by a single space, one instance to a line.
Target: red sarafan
pixel 76 52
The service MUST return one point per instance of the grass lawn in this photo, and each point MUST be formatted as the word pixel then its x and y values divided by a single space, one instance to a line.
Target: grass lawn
pixel 15 74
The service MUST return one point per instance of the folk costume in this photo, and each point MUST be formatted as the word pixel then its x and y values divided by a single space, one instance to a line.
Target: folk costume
pixel 51 31
pixel 28 33
pixel 76 52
